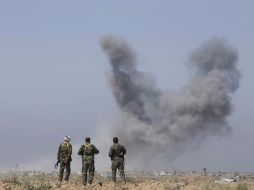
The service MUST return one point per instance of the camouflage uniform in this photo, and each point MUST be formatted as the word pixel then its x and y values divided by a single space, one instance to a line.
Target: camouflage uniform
pixel 64 158
pixel 116 153
pixel 87 151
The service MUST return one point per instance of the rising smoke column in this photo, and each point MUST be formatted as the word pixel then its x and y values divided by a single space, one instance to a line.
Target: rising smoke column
pixel 156 122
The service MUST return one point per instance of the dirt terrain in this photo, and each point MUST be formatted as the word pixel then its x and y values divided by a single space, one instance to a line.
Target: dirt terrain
pixel 174 182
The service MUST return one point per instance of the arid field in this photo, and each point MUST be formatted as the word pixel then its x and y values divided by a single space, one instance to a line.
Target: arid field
pixel 12 181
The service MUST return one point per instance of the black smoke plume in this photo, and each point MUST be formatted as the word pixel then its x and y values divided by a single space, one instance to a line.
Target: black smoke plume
pixel 161 123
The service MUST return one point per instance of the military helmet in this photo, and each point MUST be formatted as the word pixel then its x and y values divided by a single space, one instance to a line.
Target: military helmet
pixel 67 138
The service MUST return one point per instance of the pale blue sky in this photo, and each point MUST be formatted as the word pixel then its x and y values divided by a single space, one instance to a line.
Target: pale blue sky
pixel 52 71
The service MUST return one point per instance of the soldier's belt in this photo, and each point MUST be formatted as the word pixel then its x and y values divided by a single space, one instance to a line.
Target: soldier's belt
pixel 117 157
pixel 88 157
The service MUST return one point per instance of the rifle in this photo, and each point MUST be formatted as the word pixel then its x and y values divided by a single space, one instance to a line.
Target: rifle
pixel 56 164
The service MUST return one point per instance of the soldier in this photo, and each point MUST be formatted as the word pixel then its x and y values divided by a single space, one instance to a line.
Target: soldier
pixel 64 158
pixel 87 151
pixel 116 153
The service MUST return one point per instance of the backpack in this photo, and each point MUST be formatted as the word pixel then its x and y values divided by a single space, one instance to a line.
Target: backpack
pixel 65 148
pixel 88 149
pixel 118 150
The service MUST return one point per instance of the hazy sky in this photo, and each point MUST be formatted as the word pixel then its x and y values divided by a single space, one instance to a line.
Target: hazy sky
pixel 52 72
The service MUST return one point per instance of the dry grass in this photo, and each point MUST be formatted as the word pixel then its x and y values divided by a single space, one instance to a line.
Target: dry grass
pixel 48 182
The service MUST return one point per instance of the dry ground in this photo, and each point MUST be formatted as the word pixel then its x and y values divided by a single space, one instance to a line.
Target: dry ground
pixel 46 182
